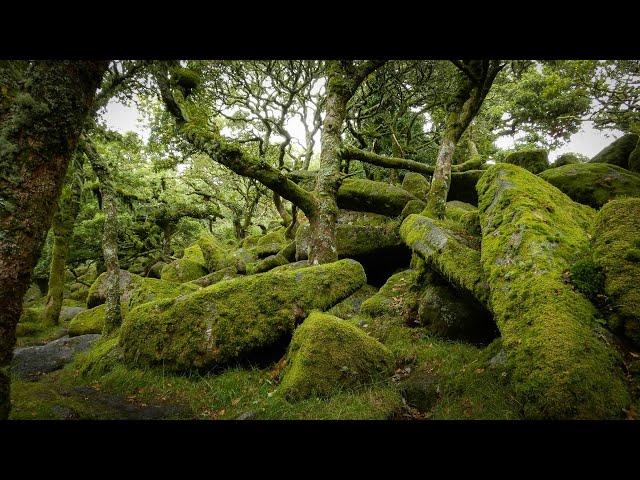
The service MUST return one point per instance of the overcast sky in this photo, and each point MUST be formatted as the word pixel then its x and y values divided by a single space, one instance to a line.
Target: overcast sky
pixel 587 141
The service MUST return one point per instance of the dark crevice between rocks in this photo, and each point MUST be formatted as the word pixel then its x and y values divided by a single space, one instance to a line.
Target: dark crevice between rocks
pixel 383 263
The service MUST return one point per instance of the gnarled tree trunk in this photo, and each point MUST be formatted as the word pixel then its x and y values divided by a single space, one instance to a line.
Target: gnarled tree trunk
pixel 63 222
pixel 43 106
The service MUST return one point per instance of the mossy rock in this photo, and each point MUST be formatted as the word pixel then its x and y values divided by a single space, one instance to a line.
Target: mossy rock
pixel 236 320
pixel 327 355
pixel 24 329
pixel 150 289
pixel 156 270
pixel 224 274
pixel 561 365
pixel 350 306
pixel 140 290
pixel 465 214
pixel 182 270
pixel 535 161
pixel 31 315
pixel 251 241
pixel 634 159
pixel 616 244
pixel 98 292
pixel 353 240
pixel 370 196
pixel 397 299
pixel 417 185
pixel 33 294
pixel 568 159
pixel 215 254
pixel 194 253
pixel 276 236
pixel 450 250
pixel 617 153
pixel 89 321
pixel 593 184
pixel 414 206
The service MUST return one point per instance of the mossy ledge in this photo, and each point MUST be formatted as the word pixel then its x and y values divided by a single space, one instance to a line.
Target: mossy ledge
pixel 234 320
pixel 531 233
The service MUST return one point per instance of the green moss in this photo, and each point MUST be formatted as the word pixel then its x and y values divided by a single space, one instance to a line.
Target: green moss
pixel 251 241
pixel 194 254
pixel 416 184
pixel 615 238
pixel 31 315
pixel 535 161
pixel 354 239
pixel 559 363
pixel 182 270
pixel 634 159
pixel 465 214
pixel 587 277
pixel 350 306
pixel 617 153
pixel 89 321
pixel 569 159
pixel 277 236
pixel 327 355
pixel 414 206
pixel 369 196
pixel 215 255
pixel 593 184
pixel 448 249
pixel 215 277
pixel 235 319
pixel 97 292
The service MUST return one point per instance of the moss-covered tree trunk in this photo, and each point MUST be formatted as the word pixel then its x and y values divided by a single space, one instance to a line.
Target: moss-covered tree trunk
pixel 475 81
pixel 63 222
pixel 43 106
pixel 113 314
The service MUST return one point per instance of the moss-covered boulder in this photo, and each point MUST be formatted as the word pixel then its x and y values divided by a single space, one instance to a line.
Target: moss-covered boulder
pixel 150 289
pixel 155 271
pixel 634 159
pixel 215 254
pixel 327 354
pixel 536 160
pixel 568 159
pixel 251 241
pixel 353 240
pixel 465 214
pixel 561 365
pixel 414 206
pixel 89 321
pixel 350 306
pixel 98 291
pixel 182 270
pixel 139 290
pixel 593 184
pixel 416 184
pixel 396 299
pixel 194 253
pixel 370 196
pixel 450 250
pixel 235 320
pixel 223 274
pixel 617 153
pixel 616 250
pixel 31 315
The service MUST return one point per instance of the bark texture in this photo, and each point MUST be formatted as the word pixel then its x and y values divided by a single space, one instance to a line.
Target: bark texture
pixel 43 106
pixel 475 81
pixel 63 222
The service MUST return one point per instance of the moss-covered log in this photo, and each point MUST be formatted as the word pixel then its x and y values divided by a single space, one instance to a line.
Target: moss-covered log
pixel 43 107
pixel 561 366
pixel 593 184
pixel 234 320
pixel 616 250
pixel 328 354
pixel 369 196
